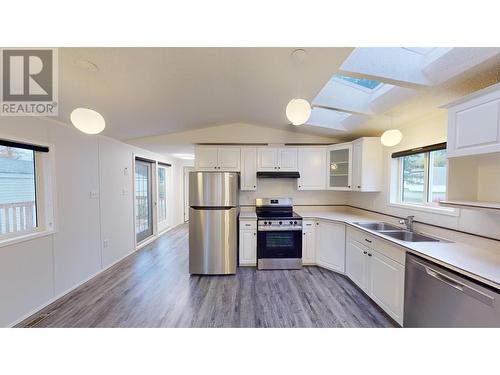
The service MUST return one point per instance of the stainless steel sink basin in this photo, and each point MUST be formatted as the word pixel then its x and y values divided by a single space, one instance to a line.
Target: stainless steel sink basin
pixel 378 226
pixel 408 236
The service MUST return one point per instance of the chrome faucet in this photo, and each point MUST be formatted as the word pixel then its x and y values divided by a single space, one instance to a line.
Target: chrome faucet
pixel 408 221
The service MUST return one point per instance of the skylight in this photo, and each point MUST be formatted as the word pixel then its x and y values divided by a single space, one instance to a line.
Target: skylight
pixel 363 82
pixel 420 50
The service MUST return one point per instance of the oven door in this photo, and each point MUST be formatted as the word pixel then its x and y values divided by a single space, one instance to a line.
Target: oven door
pixel 279 244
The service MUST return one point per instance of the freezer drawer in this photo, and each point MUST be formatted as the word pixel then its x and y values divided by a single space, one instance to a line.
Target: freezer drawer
pixel 212 241
pixel 437 297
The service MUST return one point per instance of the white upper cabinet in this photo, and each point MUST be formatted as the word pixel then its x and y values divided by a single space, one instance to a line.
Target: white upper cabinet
pixel 367 164
pixel 229 158
pixel 267 159
pixel 288 159
pixel 312 168
pixel 248 168
pixel 277 159
pixel 207 158
pixel 474 123
pixel 339 167
pixel 214 158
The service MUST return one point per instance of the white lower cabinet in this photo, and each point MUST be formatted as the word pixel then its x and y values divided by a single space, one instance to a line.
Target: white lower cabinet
pixel 330 245
pixel 378 269
pixel 386 285
pixel 248 243
pixel 308 242
pixel 356 263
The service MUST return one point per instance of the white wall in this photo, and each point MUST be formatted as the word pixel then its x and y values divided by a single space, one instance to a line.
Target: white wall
pixel 34 272
pixel 271 187
pixel 182 142
pixel 424 132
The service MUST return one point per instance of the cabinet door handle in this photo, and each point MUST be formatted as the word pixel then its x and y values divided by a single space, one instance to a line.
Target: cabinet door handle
pixel 254 233
pixel 359 187
pixel 367 240
pixel 349 186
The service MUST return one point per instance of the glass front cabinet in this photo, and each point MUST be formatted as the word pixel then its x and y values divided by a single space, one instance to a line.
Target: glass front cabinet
pixel 340 167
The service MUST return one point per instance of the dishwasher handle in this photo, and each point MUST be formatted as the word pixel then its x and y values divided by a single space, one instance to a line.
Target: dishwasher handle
pixel 454 283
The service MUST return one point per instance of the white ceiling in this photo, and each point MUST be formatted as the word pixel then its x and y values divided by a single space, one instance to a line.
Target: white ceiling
pixel 144 92
pixel 151 91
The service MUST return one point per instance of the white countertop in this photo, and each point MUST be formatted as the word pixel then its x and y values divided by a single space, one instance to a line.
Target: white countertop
pixel 482 264
pixel 248 215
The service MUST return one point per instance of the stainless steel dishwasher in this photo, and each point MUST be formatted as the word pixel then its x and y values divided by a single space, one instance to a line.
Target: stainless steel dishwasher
pixel 437 297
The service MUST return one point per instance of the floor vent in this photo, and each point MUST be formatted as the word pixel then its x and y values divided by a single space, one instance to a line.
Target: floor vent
pixel 35 321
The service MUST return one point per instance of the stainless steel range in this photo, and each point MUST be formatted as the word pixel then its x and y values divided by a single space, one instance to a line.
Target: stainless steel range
pixel 279 234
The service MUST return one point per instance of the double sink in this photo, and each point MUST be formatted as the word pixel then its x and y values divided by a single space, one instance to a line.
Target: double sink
pixel 398 233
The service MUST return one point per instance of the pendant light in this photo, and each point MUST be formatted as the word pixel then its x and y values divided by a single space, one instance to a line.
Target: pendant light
pixel 298 110
pixel 391 137
pixel 85 119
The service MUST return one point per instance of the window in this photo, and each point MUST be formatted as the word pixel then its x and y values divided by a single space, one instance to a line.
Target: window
pixel 422 177
pixel 366 83
pixel 17 190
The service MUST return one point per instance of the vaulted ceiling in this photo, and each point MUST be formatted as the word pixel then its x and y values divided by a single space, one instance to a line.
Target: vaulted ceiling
pixel 144 92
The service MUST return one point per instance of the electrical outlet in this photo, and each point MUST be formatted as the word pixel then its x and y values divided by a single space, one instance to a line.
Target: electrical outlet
pixel 105 244
pixel 94 194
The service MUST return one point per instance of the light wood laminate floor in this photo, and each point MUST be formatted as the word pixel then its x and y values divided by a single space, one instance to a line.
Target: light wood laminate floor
pixel 152 288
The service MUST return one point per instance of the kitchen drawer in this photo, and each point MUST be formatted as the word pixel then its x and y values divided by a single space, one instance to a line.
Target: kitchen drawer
pixel 248 224
pixel 391 251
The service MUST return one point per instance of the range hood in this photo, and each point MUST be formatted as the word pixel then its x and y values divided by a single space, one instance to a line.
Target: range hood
pixel 278 175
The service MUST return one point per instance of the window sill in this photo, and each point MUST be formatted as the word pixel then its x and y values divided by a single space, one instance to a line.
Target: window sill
pixel 25 237
pixel 432 210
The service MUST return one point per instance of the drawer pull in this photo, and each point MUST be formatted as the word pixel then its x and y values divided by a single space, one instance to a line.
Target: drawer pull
pixel 365 252
pixel 367 240
pixel 369 254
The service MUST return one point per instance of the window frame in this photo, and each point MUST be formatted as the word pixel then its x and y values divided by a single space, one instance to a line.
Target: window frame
pixel 395 192
pixel 44 183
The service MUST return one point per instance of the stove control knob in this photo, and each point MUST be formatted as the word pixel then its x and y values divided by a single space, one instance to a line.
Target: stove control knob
pixel 265 222
pixel 281 222
pixel 295 222
pixel 291 222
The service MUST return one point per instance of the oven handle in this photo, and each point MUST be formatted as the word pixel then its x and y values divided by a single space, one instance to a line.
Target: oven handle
pixel 268 229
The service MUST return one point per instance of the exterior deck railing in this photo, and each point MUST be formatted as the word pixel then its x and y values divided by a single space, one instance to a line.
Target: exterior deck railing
pixel 17 217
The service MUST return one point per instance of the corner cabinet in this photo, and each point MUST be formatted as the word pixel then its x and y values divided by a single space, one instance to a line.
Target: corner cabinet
pixel 330 245
pixel 474 123
pixel 282 159
pixel 312 168
pixel 217 158
pixel 339 167
pixel 248 243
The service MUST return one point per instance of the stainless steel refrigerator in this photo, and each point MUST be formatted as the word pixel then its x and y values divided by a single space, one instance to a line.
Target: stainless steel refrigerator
pixel 213 222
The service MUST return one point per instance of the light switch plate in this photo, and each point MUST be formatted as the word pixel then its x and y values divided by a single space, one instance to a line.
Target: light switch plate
pixel 94 194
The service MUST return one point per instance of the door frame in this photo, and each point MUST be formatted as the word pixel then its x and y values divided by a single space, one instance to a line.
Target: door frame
pixel 162 225
pixel 185 194
pixel 154 211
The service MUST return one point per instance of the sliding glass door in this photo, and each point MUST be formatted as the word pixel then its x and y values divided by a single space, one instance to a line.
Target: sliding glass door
pixel 162 197
pixel 143 200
